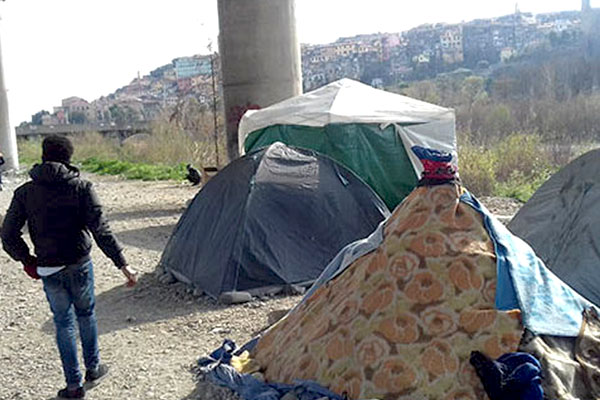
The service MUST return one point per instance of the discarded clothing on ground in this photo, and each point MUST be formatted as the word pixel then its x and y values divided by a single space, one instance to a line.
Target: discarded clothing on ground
pixel 513 376
pixel 217 369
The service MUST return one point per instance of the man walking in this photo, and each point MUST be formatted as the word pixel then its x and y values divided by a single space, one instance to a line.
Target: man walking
pixel 61 210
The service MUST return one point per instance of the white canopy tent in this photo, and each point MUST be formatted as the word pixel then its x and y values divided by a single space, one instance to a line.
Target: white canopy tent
pixel 351 102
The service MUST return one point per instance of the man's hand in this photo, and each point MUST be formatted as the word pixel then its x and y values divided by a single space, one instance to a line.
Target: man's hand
pixel 31 270
pixel 131 275
pixel 30 267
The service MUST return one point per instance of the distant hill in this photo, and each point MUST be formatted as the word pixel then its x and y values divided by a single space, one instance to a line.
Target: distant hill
pixel 498 47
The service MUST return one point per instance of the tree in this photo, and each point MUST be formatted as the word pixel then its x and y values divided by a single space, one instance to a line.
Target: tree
pixel 123 114
pixel 36 119
pixel 77 117
pixel 425 91
pixel 498 122
pixel 473 89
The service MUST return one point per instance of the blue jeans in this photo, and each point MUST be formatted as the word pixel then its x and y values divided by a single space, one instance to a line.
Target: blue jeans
pixel 70 293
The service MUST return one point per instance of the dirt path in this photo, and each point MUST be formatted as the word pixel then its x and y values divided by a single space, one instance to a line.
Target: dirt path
pixel 150 335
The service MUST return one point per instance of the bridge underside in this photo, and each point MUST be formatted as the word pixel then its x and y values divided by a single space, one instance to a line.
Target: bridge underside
pixel 120 132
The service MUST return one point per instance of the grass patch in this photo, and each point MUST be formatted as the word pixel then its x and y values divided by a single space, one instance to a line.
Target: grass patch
pixel 161 155
pixel 30 151
pixel 520 187
pixel 130 170
pixel 514 167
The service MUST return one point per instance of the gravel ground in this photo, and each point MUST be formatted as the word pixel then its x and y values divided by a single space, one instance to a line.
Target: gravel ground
pixel 151 335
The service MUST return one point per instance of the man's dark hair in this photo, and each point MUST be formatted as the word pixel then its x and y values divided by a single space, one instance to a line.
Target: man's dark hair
pixel 57 148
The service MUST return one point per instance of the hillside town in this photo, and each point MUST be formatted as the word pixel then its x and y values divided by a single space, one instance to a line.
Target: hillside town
pixel 379 59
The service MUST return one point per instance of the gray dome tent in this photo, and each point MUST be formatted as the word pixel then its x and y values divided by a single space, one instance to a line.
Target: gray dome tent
pixel 273 217
pixel 562 224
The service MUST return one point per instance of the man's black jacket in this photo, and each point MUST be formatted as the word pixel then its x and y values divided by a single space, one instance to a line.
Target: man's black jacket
pixel 60 210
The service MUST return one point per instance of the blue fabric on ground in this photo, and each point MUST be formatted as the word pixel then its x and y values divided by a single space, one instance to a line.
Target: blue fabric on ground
pixel 216 368
pixel 513 376
pixel 548 305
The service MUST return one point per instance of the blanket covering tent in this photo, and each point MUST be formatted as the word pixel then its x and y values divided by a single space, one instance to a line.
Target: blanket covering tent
pixel 401 321
pixel 274 217
pixel 397 315
pixel 562 223
pixel 367 130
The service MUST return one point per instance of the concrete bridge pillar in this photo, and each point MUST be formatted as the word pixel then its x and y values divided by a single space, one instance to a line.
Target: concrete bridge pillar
pixel 8 139
pixel 585 5
pixel 260 58
pixel 590 23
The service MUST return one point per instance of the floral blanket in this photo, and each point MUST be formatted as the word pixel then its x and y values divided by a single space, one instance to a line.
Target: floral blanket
pixel 400 322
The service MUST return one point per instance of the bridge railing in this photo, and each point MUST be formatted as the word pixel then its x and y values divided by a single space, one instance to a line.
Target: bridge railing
pixel 68 129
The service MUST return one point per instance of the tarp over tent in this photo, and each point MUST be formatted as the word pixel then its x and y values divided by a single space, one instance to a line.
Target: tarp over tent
pixel 562 224
pixel 273 217
pixel 367 130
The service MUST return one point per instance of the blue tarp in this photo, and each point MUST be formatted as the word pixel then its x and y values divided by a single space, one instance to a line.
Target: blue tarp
pixel 548 305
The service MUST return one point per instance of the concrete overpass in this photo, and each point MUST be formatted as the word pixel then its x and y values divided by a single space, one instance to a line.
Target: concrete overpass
pixel 112 130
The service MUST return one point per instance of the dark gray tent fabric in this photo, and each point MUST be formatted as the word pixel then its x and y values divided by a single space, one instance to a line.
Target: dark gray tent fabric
pixel 273 217
pixel 562 224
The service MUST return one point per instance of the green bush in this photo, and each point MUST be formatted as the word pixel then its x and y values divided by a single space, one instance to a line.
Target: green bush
pixel 477 169
pixel 525 154
pixel 30 151
pixel 515 167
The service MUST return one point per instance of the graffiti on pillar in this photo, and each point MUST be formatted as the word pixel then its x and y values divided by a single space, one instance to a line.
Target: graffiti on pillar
pixel 237 112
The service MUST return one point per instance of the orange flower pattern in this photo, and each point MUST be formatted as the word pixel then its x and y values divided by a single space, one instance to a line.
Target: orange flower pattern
pixel 424 288
pixel 464 274
pixel 401 322
pixel 371 351
pixel 429 244
pixel 403 267
pixel 476 320
pixel 401 329
pixel 438 323
pixel 396 375
pixel 438 359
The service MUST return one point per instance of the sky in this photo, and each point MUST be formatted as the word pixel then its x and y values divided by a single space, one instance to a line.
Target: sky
pixel 54 49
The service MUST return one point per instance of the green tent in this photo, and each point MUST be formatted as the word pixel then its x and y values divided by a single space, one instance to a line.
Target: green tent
pixel 367 130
